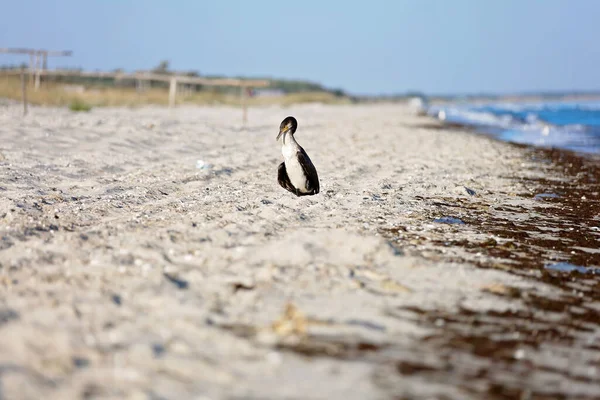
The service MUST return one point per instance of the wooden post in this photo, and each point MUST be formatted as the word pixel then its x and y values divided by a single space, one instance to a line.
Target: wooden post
pixel 38 72
pixel 243 93
pixel 172 91
pixel 24 90
pixel 45 62
pixel 31 64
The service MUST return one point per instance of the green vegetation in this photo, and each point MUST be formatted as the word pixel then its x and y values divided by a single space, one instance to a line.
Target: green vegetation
pixel 81 93
pixel 81 96
pixel 79 105
pixel 284 86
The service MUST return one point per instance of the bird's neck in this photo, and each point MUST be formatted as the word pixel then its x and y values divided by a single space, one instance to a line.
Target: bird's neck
pixel 289 140
pixel 289 147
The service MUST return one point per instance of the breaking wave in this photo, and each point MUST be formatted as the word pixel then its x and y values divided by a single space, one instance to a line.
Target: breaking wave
pixel 568 125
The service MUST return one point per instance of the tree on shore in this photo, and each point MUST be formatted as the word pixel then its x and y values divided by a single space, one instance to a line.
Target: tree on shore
pixel 162 68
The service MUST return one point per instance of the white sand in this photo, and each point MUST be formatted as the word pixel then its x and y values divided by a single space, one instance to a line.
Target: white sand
pixel 97 207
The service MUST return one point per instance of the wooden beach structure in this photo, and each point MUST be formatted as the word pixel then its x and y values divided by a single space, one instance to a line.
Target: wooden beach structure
pixel 38 67
pixel 140 77
pixel 38 60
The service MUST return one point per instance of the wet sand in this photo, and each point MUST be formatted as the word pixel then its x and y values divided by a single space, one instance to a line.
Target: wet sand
pixel 130 270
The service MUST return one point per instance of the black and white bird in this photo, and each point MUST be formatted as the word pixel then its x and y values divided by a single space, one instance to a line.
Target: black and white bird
pixel 296 173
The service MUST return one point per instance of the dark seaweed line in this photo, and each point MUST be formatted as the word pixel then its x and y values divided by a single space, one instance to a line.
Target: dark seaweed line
pixel 573 214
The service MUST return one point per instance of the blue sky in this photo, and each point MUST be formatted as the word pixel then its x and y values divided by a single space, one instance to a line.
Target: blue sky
pixel 364 47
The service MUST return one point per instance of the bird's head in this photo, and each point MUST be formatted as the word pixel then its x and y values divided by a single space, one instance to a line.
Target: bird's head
pixel 288 125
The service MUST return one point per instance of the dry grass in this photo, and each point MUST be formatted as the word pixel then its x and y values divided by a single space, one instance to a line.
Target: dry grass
pixel 57 94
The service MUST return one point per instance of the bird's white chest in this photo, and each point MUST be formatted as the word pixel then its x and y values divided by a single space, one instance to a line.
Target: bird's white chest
pixel 293 167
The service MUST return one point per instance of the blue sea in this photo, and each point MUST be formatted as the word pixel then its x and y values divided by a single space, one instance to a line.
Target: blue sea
pixel 567 125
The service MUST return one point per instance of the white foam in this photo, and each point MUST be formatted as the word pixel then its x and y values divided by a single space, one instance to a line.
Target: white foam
pixel 530 129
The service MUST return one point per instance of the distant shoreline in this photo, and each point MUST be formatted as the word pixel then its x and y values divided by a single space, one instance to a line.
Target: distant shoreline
pixel 517 99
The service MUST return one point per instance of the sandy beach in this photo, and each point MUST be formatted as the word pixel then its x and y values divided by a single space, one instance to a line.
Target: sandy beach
pixel 150 254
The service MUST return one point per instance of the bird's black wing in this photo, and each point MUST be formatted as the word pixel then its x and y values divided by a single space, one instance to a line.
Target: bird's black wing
pixel 284 179
pixel 312 178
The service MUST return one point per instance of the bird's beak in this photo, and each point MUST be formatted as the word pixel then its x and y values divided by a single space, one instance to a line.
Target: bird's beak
pixel 283 131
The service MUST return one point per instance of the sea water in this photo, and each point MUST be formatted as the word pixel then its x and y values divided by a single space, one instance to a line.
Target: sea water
pixel 567 125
